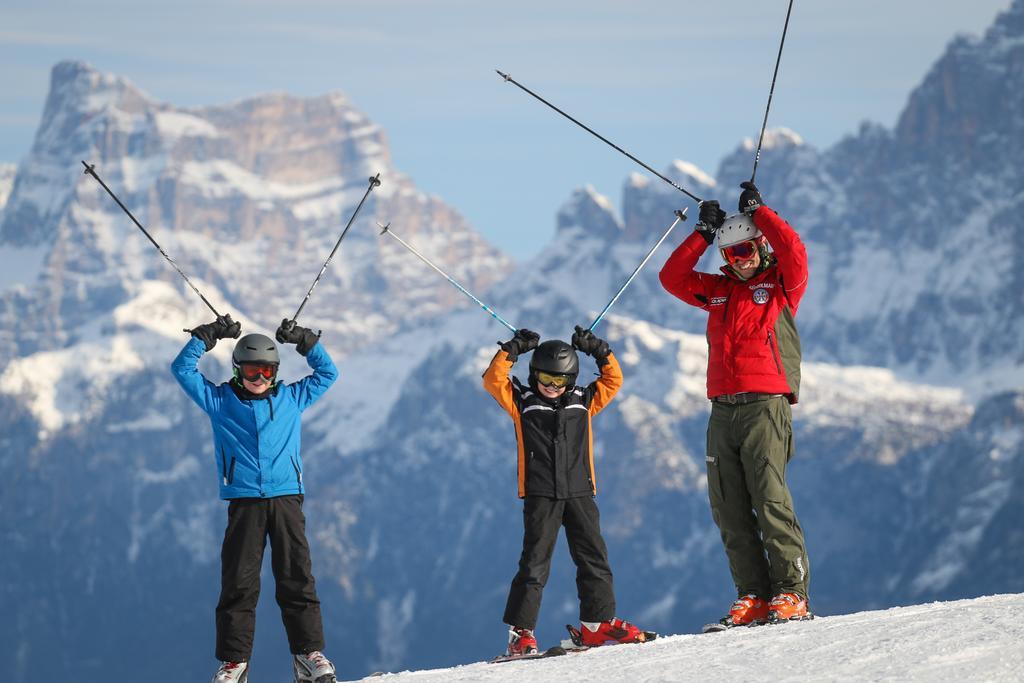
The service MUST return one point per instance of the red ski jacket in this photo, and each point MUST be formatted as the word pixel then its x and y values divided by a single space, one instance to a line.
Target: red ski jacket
pixel 753 344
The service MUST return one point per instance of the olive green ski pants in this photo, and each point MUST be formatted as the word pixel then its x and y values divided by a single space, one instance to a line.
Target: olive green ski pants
pixel 749 446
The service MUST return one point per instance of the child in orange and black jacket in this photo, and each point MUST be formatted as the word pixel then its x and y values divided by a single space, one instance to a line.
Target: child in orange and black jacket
pixel 552 418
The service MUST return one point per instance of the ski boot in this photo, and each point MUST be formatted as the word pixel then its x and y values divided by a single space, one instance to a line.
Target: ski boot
pixel 748 610
pixel 521 641
pixel 313 667
pixel 232 672
pixel 788 607
pixel 614 630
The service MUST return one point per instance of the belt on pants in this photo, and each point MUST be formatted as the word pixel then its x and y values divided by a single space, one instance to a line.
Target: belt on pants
pixel 741 398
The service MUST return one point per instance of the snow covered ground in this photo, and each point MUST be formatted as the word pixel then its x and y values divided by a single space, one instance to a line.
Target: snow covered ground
pixel 967 640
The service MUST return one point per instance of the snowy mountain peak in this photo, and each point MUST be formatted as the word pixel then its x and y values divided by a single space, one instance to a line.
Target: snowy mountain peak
pixel 81 86
pixel 774 138
pixel 685 172
pixel 957 114
pixel 592 212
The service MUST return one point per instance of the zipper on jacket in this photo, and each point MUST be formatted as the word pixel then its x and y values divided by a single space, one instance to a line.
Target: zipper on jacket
pixel 231 473
pixel 255 419
pixel 223 467
pixel 775 357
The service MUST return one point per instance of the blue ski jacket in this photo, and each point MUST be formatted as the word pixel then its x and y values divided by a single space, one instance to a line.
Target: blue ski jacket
pixel 256 443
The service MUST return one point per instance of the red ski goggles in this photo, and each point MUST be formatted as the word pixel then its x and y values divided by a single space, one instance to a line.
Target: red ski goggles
pixel 550 380
pixel 742 251
pixel 253 371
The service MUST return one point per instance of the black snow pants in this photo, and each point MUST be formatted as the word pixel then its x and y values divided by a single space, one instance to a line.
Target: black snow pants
pixel 542 518
pixel 250 522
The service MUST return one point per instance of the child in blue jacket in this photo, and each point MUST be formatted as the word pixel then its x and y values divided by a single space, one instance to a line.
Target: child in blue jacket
pixel 256 423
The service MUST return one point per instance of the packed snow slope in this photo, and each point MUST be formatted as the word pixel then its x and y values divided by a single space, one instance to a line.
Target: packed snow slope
pixel 965 640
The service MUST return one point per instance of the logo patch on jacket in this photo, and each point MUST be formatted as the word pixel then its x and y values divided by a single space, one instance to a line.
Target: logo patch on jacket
pixel 760 296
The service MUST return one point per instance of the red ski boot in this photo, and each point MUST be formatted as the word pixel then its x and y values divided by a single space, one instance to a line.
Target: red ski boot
pixel 747 610
pixel 521 641
pixel 616 631
pixel 788 607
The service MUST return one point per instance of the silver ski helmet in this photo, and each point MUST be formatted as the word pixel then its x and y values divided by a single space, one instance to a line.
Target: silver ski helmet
pixel 255 349
pixel 731 239
pixel 736 228
pixel 555 357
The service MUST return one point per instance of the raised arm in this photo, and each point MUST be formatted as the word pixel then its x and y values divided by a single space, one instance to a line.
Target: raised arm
pixel 497 383
pixel 185 369
pixel 607 385
pixel 601 391
pixel 678 276
pixel 790 251
pixel 310 388
pixel 786 244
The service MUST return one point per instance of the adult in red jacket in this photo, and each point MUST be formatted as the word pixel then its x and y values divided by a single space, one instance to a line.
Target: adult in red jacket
pixel 753 377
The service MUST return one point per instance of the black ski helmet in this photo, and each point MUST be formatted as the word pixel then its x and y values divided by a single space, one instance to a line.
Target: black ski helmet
pixel 255 348
pixel 556 357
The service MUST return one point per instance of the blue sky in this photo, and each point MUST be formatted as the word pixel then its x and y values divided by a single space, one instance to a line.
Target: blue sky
pixel 665 80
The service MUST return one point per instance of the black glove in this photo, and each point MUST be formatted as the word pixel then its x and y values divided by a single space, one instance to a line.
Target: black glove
pixel 750 198
pixel 711 219
pixel 303 338
pixel 221 328
pixel 524 340
pixel 590 344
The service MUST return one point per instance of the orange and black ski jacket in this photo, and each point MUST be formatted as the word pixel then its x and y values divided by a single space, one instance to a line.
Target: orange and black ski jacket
pixel 753 344
pixel 554 438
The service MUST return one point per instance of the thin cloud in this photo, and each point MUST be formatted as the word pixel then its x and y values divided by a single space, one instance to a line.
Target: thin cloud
pixel 326 34
pixel 41 39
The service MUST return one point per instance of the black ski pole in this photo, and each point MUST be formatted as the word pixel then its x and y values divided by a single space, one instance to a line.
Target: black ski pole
pixel 91 170
pixel 778 59
pixel 509 79
pixel 374 182
pixel 386 229
pixel 680 216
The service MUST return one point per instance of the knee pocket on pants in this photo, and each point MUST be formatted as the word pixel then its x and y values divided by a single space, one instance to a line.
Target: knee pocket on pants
pixel 715 495
pixel 771 485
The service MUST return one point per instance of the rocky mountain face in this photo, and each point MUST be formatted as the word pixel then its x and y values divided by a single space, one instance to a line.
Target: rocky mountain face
pixel 909 430
pixel 909 229
pixel 248 198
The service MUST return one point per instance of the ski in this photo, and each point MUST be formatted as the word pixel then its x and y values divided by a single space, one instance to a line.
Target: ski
pixel 807 617
pixel 553 651
pixel 715 627
pixel 719 626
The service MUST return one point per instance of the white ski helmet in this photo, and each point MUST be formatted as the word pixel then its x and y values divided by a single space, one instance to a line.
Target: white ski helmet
pixel 736 228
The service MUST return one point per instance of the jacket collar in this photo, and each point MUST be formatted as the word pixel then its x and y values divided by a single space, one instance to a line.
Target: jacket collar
pixel 244 394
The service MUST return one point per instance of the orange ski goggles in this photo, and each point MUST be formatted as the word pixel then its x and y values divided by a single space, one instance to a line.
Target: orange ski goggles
pixel 741 251
pixel 253 371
